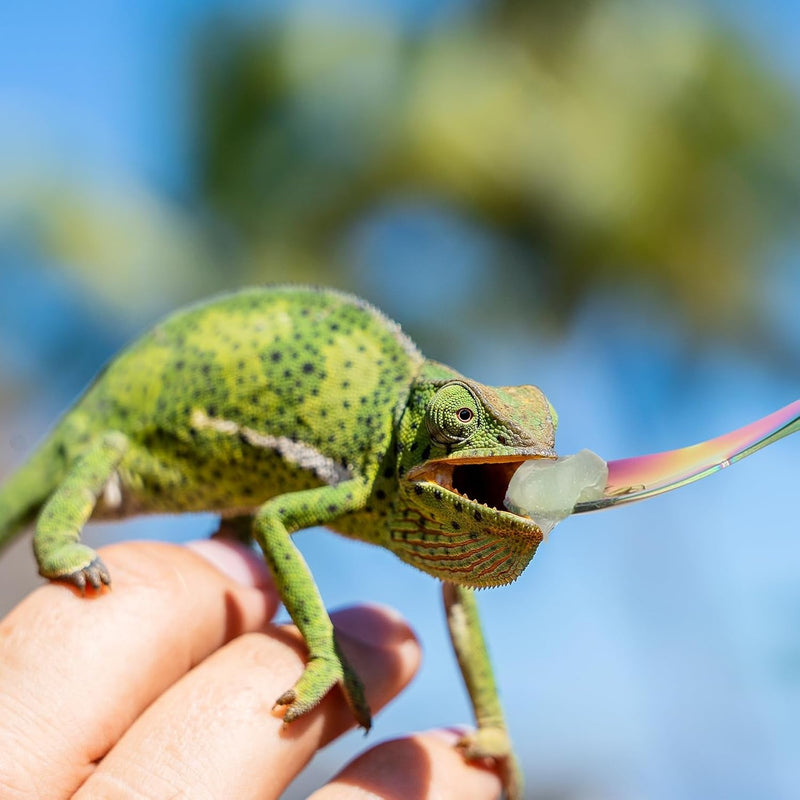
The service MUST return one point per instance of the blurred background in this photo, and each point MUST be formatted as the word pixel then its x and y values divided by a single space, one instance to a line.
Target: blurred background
pixel 596 196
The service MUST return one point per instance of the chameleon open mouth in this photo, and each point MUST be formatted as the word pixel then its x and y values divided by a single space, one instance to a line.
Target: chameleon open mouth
pixel 484 481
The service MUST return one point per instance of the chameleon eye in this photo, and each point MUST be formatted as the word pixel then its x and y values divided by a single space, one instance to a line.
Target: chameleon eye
pixel 452 415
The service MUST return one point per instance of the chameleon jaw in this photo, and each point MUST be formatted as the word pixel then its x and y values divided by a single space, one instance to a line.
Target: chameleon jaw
pixel 482 484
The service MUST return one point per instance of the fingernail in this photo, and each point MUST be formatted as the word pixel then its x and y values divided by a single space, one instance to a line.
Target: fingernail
pixel 372 624
pixel 450 735
pixel 233 559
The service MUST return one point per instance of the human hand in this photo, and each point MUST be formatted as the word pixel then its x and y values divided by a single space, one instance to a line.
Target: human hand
pixel 164 687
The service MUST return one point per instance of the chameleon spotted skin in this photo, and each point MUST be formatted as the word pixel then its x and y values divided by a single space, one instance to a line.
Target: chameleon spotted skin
pixel 283 408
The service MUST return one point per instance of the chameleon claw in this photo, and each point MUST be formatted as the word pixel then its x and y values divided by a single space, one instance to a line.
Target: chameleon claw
pixel 94 574
pixel 319 677
pixel 286 699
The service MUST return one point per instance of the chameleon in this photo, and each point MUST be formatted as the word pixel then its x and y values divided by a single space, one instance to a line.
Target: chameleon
pixel 281 408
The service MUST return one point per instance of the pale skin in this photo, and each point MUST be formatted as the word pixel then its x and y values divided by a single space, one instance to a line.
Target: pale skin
pixel 168 697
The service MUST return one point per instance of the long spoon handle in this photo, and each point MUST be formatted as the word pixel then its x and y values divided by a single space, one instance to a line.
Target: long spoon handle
pixel 632 479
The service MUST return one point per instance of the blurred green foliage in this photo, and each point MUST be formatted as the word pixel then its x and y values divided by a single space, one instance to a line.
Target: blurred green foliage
pixel 615 142
pixel 600 144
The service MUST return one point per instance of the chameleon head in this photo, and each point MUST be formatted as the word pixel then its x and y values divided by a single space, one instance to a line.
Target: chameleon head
pixel 459 443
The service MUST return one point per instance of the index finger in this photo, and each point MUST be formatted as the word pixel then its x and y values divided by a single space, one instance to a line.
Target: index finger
pixel 76 672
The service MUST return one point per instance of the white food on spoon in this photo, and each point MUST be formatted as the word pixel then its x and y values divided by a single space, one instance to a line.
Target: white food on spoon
pixel 547 489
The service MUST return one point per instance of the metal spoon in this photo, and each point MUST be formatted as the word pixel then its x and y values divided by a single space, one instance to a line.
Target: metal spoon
pixel 632 479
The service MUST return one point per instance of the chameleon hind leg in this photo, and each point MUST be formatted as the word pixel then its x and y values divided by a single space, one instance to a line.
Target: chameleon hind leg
pixel 56 542
pixel 491 739
pixel 327 666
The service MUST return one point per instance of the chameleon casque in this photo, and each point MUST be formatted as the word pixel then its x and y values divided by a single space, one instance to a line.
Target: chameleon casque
pixel 282 408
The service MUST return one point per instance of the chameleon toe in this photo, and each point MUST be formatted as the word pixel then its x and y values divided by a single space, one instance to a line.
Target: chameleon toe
pixel 286 699
pixel 94 574
pixel 318 678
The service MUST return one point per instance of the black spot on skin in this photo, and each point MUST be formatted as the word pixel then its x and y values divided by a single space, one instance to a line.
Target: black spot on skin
pixel 333 508
pixel 205 369
pixel 501 439
pixel 457 506
pixel 308 368
pixel 211 411
pixel 456 526
pixel 478 516
pixel 418 489
pixel 425 454
pixel 437 493
pixel 276 356
pixel 380 494
pixel 388 472
pixel 180 364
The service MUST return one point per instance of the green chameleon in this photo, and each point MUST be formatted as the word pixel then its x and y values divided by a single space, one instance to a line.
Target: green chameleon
pixel 282 408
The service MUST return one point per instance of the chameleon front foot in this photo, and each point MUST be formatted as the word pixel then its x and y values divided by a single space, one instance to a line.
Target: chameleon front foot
pixel 95 575
pixel 75 564
pixel 493 743
pixel 321 674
